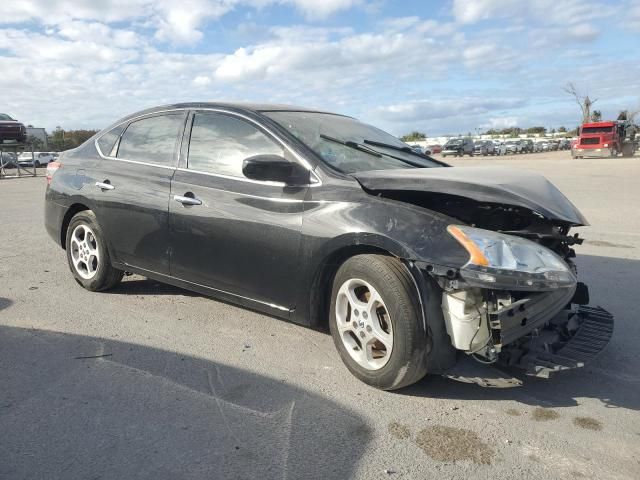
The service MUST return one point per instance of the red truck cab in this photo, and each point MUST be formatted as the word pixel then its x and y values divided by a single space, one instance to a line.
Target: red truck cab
pixel 606 139
pixel 597 139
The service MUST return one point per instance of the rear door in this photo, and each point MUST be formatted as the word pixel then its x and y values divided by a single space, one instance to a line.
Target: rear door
pixel 243 237
pixel 132 185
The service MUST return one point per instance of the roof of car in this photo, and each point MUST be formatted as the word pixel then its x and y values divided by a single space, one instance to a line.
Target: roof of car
pixel 238 106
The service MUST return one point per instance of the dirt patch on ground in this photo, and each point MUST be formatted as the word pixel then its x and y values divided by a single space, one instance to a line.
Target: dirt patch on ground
pixel 513 412
pixel 545 414
pixel 448 444
pixel 587 423
pixel 399 431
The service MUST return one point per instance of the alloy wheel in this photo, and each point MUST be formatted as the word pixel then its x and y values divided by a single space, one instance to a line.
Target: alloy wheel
pixel 85 252
pixel 364 324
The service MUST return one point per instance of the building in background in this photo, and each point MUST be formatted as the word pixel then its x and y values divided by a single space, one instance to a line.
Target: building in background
pixel 38 133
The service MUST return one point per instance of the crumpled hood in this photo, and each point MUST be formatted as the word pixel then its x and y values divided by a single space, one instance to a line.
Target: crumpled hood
pixel 484 184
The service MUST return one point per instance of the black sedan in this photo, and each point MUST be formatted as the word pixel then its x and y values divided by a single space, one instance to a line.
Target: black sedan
pixel 328 222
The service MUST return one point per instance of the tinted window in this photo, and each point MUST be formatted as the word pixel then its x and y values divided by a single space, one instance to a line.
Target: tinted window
pixel 219 144
pixel 107 141
pixel 152 139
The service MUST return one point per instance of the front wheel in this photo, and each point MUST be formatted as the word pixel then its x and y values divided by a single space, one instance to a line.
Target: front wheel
pixel 87 254
pixel 376 322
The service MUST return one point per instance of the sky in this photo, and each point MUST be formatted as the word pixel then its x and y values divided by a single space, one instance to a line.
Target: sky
pixel 434 66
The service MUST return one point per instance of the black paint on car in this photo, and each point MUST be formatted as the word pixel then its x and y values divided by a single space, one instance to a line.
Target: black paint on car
pixel 325 221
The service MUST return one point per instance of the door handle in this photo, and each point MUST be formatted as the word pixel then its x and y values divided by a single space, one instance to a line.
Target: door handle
pixel 187 200
pixel 104 185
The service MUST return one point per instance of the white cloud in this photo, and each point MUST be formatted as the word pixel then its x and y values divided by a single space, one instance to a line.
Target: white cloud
pixel 472 11
pixel 85 63
pixel 442 108
pixel 498 123
pixel 174 21
pixel 314 9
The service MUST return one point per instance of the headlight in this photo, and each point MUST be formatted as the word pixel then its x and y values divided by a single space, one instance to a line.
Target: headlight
pixel 510 263
pixel 605 145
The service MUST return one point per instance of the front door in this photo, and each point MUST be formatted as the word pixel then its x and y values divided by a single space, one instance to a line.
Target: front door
pixel 236 235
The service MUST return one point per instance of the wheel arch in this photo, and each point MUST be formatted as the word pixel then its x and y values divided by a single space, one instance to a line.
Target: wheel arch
pixel 69 214
pixel 322 284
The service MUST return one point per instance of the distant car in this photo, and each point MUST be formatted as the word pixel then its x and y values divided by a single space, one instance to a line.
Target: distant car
pixel 499 147
pixel 484 148
pixel 565 144
pixel 527 145
pixel 11 130
pixel 537 147
pixel 554 144
pixel 417 148
pixel 435 148
pixel 513 146
pixel 27 159
pixel 458 147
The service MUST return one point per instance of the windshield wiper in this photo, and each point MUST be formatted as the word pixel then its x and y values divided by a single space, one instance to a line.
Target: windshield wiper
pixel 354 145
pixel 392 147
pixel 370 151
pixel 405 150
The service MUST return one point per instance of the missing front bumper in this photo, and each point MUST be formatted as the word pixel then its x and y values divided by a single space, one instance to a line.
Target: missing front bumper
pixel 570 340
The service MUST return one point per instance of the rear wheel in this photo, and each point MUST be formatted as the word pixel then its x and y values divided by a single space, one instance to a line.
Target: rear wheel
pixel 87 254
pixel 376 322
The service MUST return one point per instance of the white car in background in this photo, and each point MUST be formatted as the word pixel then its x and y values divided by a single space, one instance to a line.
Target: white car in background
pixel 27 159
pixel 499 147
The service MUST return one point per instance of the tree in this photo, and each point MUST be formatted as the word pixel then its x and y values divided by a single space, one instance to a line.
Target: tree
pixel 596 116
pixel 66 139
pixel 413 137
pixel 562 130
pixel 583 101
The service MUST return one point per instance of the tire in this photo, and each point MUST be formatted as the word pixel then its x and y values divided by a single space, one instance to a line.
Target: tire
pixel 87 254
pixel 401 313
pixel 37 164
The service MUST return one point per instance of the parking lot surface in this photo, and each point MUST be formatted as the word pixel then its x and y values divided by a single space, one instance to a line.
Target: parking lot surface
pixel 150 381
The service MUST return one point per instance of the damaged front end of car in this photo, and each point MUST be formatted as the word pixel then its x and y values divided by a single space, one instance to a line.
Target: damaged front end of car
pixel 516 302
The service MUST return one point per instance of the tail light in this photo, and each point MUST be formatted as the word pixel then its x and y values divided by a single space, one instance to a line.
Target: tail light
pixel 52 168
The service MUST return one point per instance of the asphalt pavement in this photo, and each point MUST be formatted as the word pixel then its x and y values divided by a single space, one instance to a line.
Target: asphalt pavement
pixel 150 381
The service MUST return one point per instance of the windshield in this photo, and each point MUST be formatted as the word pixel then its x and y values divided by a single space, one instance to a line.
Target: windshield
pixel 322 132
pixel 4 116
pixel 597 130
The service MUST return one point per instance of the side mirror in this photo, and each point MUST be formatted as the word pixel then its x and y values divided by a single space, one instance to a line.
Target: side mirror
pixel 274 168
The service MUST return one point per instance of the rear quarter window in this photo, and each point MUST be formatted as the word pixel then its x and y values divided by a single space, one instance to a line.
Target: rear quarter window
pixel 107 141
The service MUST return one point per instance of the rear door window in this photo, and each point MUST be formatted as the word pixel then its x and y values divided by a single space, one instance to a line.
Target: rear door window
pixel 152 139
pixel 219 143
